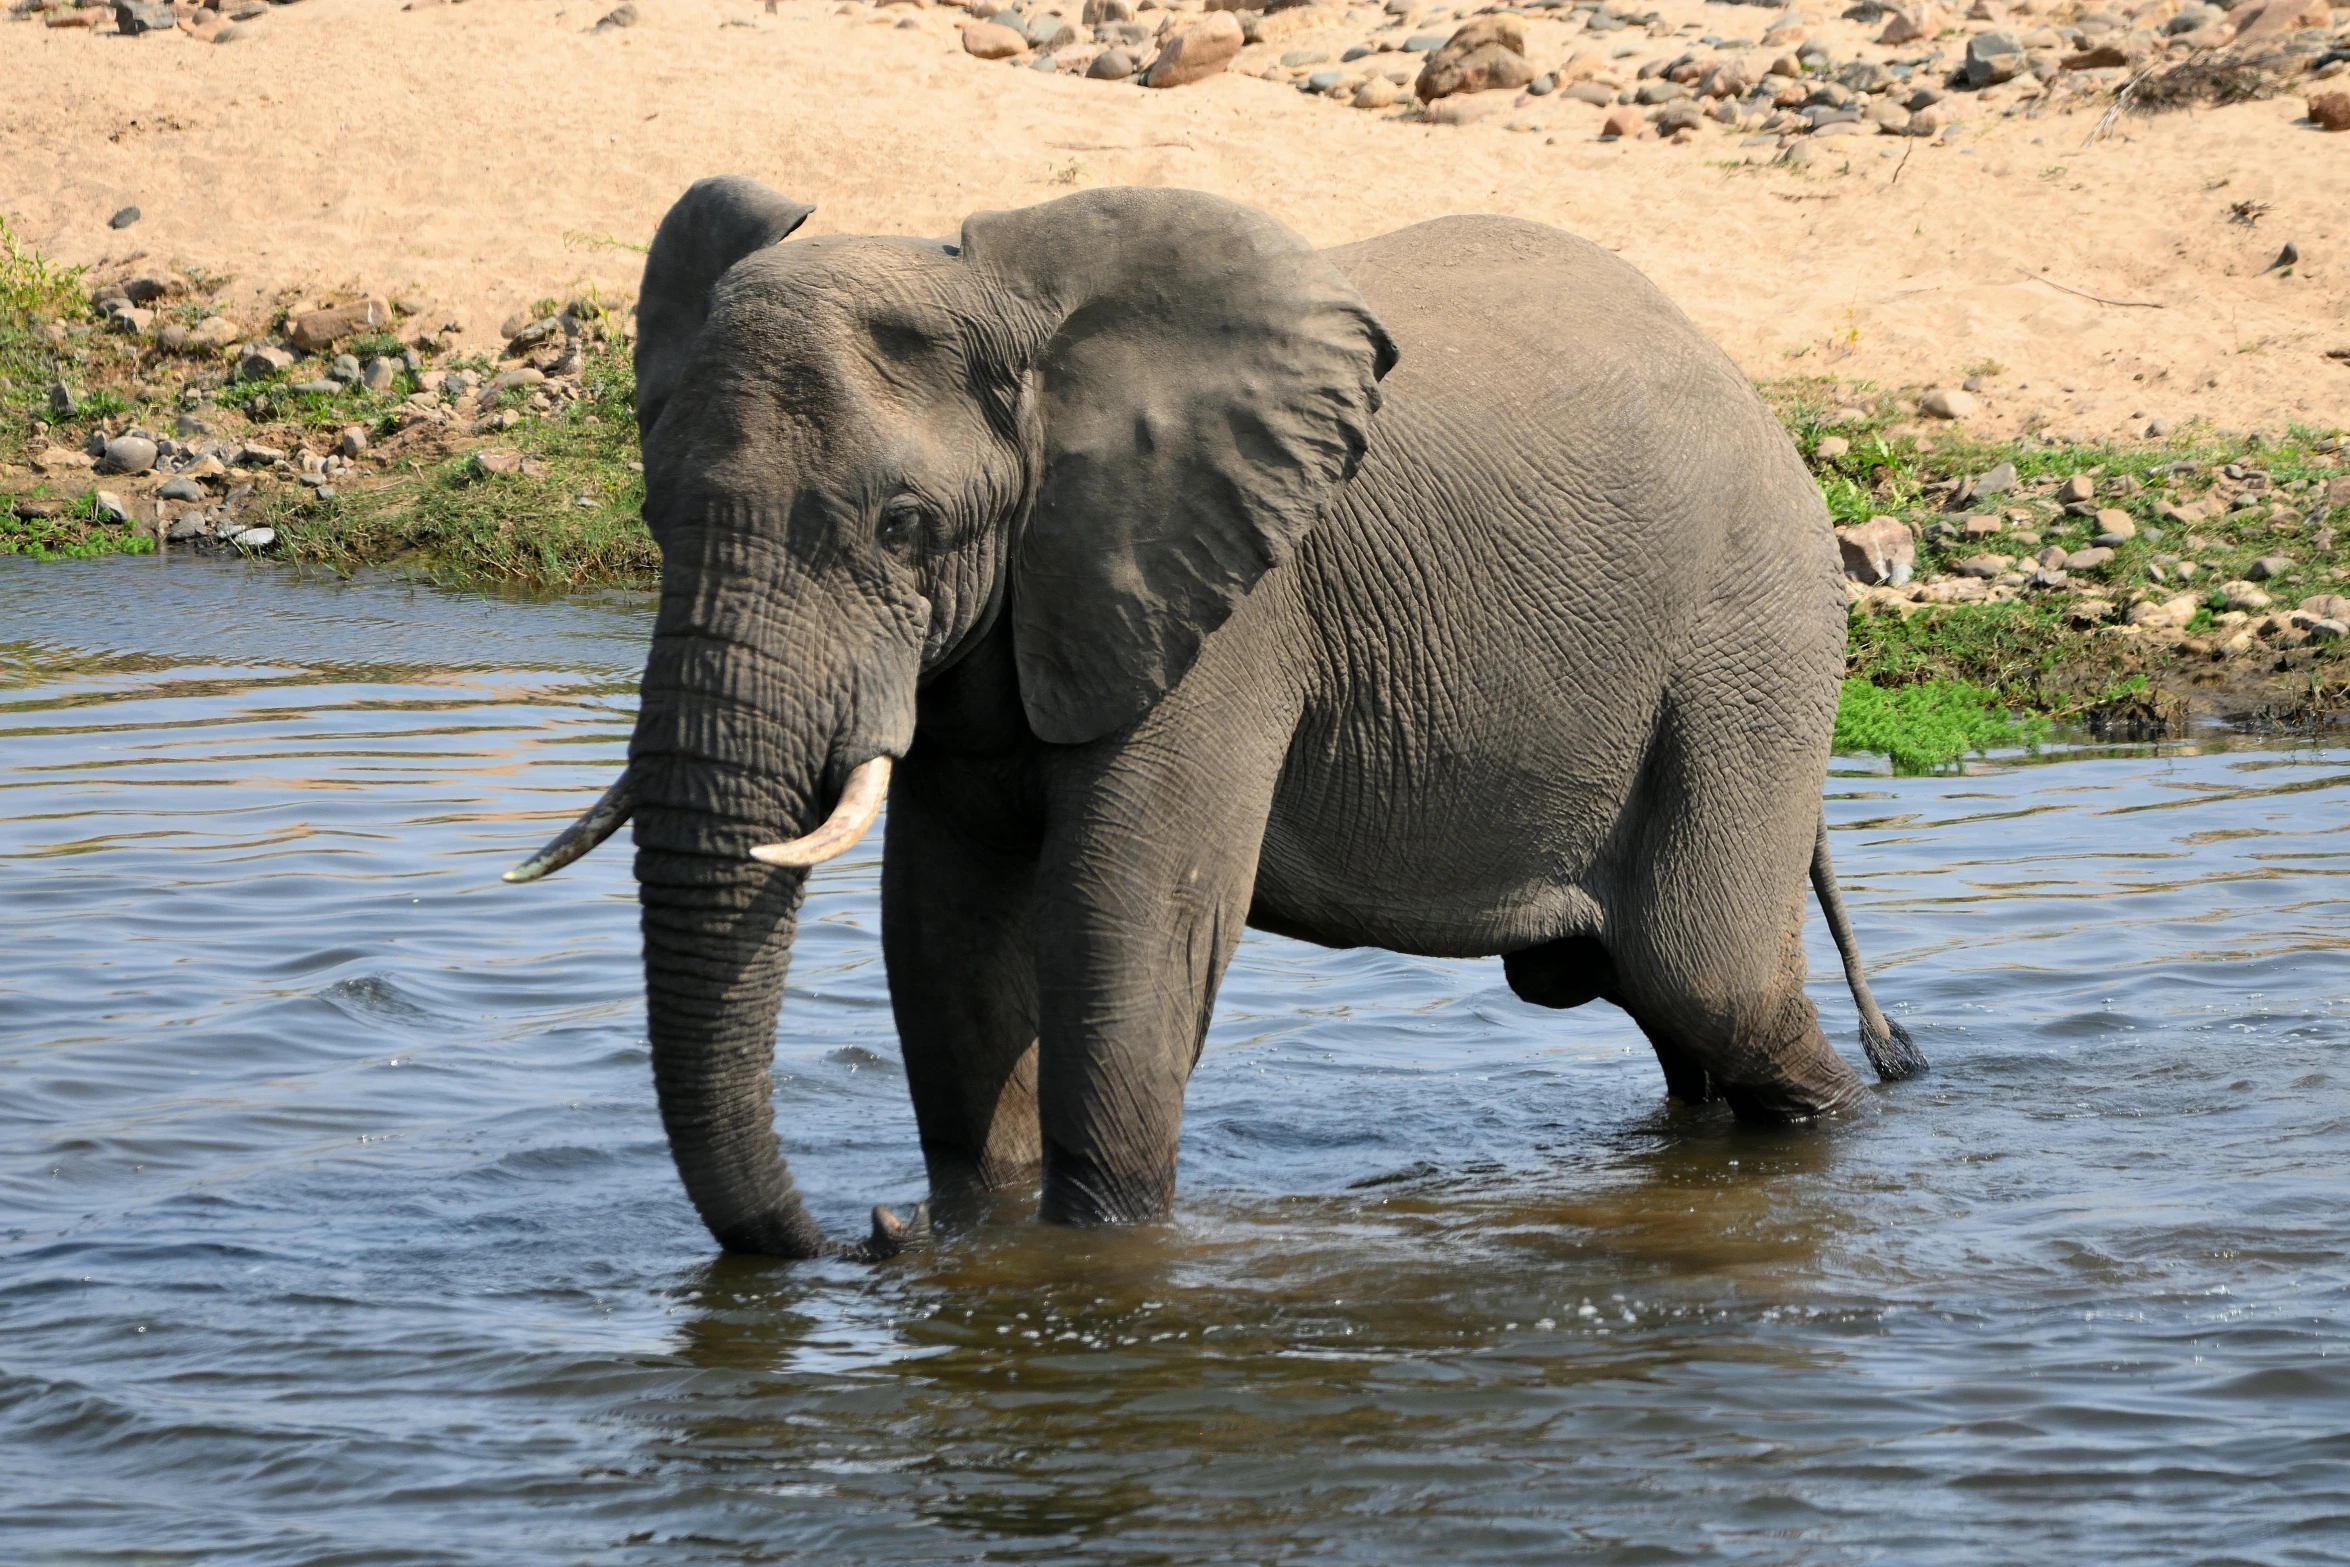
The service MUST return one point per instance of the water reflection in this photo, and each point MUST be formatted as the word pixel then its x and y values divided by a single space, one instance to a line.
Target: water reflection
pixel 335 1223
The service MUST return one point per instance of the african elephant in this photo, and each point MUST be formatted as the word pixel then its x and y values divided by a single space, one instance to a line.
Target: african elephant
pixel 1445 592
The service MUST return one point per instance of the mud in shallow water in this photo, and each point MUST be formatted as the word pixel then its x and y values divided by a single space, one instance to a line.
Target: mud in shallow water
pixel 336 1224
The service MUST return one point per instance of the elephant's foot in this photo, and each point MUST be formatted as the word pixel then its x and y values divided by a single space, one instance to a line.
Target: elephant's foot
pixel 892 1235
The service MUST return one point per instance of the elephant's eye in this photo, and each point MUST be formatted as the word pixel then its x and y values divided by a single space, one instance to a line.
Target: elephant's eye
pixel 901 523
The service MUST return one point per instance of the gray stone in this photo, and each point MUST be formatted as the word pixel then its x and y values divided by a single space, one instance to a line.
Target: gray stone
pixel 257 538
pixel 319 388
pixel 378 374
pixel 353 443
pixel 1048 33
pixel 61 399
pixel 186 526
pixel 2088 559
pixel 1111 65
pixel 260 361
pixel 2269 566
pixel 1425 43
pixel 123 218
pixel 1301 57
pixel 345 369
pixel 254 453
pixel 1992 58
pixel 1997 481
pixel 130 454
pixel 1923 98
pixel 1323 81
pixel 181 490
pixel 619 16
pixel 1658 91
pixel 110 506
pixel 1588 92
pixel 133 17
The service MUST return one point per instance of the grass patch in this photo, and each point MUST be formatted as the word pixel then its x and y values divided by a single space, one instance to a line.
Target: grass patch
pixel 1929 725
pixel 569 519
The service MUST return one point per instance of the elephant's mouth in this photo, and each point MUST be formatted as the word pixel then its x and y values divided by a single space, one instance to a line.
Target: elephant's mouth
pixel 860 803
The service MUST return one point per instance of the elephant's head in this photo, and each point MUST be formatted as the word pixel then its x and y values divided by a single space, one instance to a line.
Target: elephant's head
pixel 1103 419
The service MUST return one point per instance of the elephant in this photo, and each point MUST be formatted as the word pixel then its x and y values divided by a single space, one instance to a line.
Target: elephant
pixel 1446 592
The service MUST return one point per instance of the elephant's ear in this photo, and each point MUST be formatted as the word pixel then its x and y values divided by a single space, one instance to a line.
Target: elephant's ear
pixel 715 224
pixel 1202 380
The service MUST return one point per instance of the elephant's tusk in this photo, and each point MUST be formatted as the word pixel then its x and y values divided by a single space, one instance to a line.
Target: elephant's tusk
pixel 602 820
pixel 860 802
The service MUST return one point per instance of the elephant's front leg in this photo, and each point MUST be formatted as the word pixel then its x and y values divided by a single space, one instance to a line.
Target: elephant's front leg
pixel 1143 891
pixel 955 911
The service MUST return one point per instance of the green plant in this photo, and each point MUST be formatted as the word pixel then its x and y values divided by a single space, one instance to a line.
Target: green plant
pixel 31 286
pixel 1927 726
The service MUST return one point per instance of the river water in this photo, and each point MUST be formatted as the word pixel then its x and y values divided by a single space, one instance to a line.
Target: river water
pixel 336 1225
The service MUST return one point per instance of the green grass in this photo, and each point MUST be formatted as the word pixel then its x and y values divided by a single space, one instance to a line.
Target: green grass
pixel 1923 727
pixel 452 522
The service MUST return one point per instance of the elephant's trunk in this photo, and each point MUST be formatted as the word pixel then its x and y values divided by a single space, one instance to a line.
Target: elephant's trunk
pixel 718 932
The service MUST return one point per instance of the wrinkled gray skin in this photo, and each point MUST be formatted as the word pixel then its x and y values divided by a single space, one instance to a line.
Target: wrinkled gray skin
pixel 1180 618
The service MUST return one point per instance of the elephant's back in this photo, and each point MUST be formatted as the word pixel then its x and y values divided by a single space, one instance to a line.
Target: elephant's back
pixel 1575 518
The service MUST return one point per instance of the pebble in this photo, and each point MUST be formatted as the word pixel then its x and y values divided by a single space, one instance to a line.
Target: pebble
pixel 1948 402
pixel 130 454
pixel 1197 52
pixel 1879 550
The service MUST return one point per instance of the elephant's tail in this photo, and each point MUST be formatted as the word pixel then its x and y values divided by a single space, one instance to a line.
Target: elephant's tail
pixel 1891 1051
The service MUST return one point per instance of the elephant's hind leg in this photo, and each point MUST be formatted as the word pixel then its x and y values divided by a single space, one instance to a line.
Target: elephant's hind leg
pixel 1707 931
pixel 955 917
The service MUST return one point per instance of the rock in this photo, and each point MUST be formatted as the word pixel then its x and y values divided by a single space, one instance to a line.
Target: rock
pixel 1895 121
pixel 2115 525
pixel 189 525
pixel 1195 53
pixel 1097 12
pixel 181 489
pixel 353 443
pixel 260 538
pixel 133 17
pixel 172 339
pixel 59 459
pixel 1912 22
pixel 2270 566
pixel 255 455
pixel 88 18
pixel 319 388
pixel 1982 528
pixel 2330 111
pixel 2172 614
pixel 1484 54
pixel 345 369
pixel 619 16
pixel 2260 19
pixel 129 454
pixel 1830 447
pixel 1994 481
pixel 494 461
pixel 1984 565
pixel 2103 57
pixel 2052 558
pixel 1377 93
pixel 1674 118
pixel 131 319
pixel 2157 428
pixel 213 333
pixel 315 330
pixel 1048 32
pixel 2088 559
pixel 1622 121
pixel 1111 65
pixel 1946 402
pixel 1879 550
pixel 1650 94
pixel 123 218
pixel 110 506
pixel 1992 58
pixel 1589 92
pixel 2079 487
pixel 522 339
pixel 525 376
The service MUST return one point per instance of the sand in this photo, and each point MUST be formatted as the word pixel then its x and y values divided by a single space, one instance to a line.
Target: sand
pixel 486 154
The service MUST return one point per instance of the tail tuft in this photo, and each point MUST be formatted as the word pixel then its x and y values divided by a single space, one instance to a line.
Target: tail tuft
pixel 1894 1055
